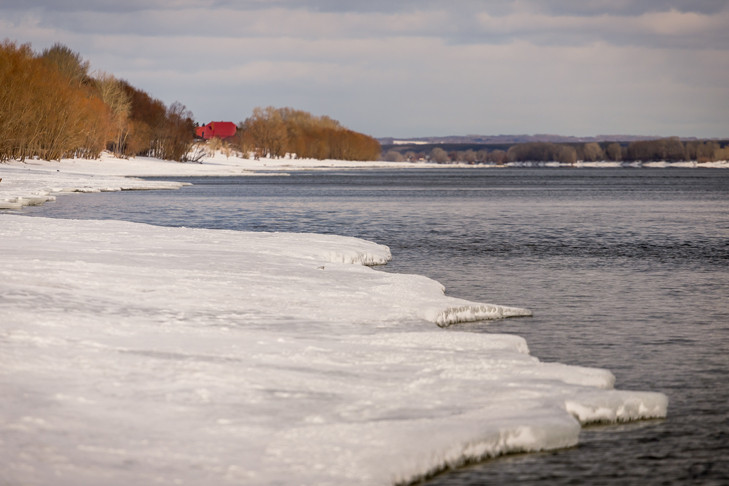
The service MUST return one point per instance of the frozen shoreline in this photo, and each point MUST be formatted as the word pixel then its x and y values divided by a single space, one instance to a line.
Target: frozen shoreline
pixel 132 353
pixel 37 181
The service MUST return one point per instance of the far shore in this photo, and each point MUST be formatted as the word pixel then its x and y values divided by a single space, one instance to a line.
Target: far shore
pixel 33 182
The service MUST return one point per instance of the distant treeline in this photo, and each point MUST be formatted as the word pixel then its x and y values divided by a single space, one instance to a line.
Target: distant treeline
pixel 670 149
pixel 51 107
pixel 276 132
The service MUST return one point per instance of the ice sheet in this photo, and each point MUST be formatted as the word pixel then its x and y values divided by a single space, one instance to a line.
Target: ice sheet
pixel 131 353
pixel 134 354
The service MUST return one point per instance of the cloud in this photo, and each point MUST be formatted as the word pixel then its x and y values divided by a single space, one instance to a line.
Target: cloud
pixel 497 7
pixel 625 8
pixel 412 67
pixel 672 28
pixel 621 23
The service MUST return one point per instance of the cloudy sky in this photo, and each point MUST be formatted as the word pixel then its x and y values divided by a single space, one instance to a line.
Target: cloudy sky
pixel 414 67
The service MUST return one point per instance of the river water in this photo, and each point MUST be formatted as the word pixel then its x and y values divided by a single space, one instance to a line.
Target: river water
pixel 624 269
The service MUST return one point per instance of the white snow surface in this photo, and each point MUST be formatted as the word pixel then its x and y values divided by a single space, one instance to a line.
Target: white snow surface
pixel 135 354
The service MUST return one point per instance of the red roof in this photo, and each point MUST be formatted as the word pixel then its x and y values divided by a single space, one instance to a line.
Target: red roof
pixel 220 129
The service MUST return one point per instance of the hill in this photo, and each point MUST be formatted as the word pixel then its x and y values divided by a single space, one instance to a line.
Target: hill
pixel 514 139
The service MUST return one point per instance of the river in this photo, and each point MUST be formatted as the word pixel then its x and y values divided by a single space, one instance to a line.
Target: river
pixel 624 269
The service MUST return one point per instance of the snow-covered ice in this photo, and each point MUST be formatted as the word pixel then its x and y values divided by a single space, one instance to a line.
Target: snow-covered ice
pixel 135 354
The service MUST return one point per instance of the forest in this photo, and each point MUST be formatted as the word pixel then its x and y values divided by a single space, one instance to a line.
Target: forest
pixel 276 132
pixel 670 149
pixel 52 107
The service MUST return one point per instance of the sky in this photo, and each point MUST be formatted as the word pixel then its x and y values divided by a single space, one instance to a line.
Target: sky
pixel 412 68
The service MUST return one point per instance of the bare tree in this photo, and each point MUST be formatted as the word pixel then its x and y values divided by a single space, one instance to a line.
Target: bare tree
pixel 439 156
pixel 113 94
pixel 593 152
pixel 669 149
pixel 177 138
pixel 469 156
pixel 394 156
pixel 614 152
pixel 68 63
pixel 497 157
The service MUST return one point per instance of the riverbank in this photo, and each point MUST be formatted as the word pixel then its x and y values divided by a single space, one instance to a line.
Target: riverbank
pixel 36 181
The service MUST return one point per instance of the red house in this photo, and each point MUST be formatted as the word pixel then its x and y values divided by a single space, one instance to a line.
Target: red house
pixel 220 129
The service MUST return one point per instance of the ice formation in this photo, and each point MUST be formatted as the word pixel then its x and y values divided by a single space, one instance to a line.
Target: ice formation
pixel 135 354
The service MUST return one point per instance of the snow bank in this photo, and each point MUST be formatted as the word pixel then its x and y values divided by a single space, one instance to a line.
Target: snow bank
pixel 36 182
pixel 134 354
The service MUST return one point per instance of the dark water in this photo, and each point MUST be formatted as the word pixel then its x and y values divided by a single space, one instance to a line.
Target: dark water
pixel 624 269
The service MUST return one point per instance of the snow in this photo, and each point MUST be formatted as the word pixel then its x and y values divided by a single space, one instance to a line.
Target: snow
pixel 135 354
pixel 410 142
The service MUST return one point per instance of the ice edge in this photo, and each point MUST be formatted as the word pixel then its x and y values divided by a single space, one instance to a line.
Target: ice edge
pixel 560 433
pixel 602 407
pixel 475 312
